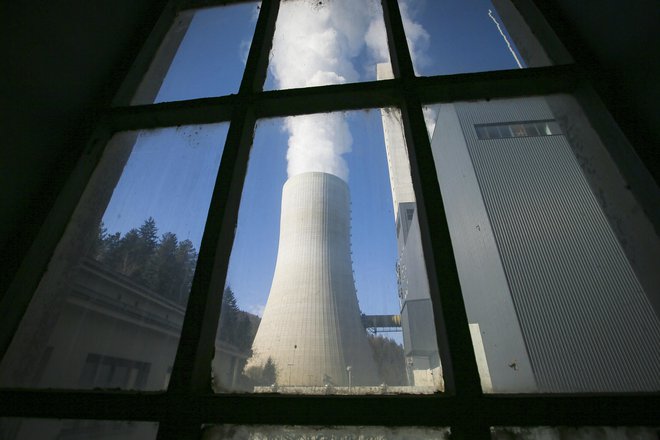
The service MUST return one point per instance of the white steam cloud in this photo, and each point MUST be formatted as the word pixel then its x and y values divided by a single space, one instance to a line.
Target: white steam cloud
pixel 316 43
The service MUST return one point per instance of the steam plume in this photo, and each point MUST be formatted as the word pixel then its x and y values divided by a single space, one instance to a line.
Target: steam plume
pixel 316 43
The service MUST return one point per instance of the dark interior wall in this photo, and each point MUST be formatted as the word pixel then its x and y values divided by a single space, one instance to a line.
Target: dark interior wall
pixel 618 43
pixel 62 62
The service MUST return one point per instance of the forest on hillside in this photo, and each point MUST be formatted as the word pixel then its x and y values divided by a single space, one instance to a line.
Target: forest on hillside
pixel 165 265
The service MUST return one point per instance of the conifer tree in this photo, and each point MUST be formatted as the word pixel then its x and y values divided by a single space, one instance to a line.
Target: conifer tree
pixel 390 360
pixel 165 266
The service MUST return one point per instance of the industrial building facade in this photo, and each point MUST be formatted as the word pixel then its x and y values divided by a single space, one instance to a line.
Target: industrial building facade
pixel 531 243
pixel 187 404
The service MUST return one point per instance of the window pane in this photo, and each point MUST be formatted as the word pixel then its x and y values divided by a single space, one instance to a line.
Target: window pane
pixel 516 129
pixel 454 36
pixel 340 228
pixel 505 130
pixel 568 433
pixel 51 429
pixel 321 43
pixel 108 311
pixel 202 55
pixel 267 432
pixel 494 132
pixel 531 129
pixel 553 127
pixel 557 260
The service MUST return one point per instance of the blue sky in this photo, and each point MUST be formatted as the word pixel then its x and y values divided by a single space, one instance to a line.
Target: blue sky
pixel 373 230
pixel 171 172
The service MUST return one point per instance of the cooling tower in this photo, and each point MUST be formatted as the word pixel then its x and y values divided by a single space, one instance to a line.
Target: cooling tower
pixel 311 326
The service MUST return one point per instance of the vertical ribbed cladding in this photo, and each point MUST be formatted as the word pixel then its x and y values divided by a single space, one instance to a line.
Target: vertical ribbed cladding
pixel 586 320
pixel 311 325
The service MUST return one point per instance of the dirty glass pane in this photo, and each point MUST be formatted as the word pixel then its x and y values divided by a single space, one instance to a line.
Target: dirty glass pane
pixel 272 432
pixel 327 290
pixel 51 429
pixel 556 258
pixel 571 433
pixel 203 55
pixel 456 36
pixel 318 43
pixel 108 311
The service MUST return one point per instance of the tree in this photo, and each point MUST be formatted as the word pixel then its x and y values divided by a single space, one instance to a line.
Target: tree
pixel 104 244
pixel 164 266
pixel 124 257
pixel 228 316
pixel 145 247
pixel 186 258
pixel 163 271
pixel 264 375
pixel 269 374
pixel 148 234
pixel 243 336
pixel 236 326
pixel 390 360
pixel 97 247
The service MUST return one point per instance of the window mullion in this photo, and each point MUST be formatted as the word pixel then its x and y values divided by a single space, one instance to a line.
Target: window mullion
pixel 191 371
pixel 499 84
pixel 402 65
pixel 191 374
pixel 144 58
pixel 168 114
pixel 352 96
pixel 404 410
pixel 459 364
pixel 256 66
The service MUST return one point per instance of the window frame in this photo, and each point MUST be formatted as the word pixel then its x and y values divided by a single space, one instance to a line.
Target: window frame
pixel 189 401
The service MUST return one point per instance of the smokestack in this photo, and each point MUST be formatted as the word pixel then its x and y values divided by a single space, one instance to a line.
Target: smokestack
pixel 311 326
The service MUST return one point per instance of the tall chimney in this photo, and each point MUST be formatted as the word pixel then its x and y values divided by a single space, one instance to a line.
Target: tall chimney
pixel 311 326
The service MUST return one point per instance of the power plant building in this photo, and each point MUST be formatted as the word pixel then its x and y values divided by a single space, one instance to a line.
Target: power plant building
pixel 555 301
pixel 559 304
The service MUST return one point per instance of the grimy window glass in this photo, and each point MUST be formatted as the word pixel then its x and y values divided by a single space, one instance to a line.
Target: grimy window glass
pixel 454 36
pixel 188 406
pixel 560 288
pixel 582 433
pixel 203 55
pixel 108 311
pixel 327 290
pixel 240 432
pixel 47 429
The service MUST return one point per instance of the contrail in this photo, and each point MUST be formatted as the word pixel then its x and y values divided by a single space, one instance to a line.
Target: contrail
pixel 490 14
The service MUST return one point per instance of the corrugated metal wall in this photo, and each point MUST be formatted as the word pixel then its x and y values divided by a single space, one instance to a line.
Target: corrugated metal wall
pixel 586 321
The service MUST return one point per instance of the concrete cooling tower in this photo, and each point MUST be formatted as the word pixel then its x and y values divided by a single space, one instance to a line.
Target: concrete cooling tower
pixel 311 326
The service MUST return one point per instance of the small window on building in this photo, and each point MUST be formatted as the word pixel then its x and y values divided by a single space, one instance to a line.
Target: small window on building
pixel 517 129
